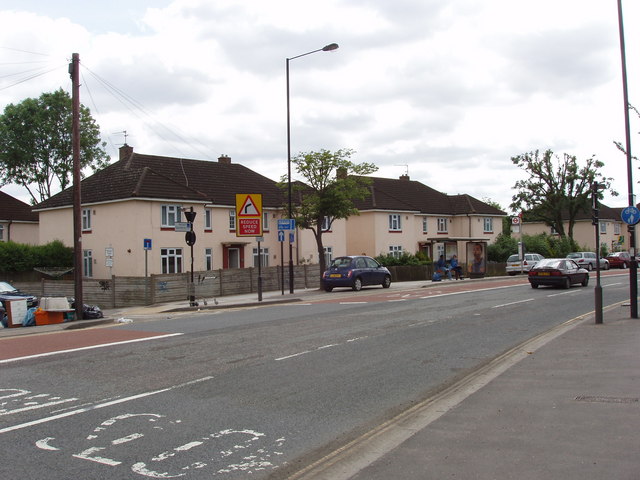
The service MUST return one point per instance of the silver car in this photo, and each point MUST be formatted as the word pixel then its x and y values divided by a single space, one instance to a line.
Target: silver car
pixel 588 260
pixel 515 265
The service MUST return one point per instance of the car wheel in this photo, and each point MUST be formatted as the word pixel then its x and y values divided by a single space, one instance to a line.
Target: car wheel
pixel 624 264
pixel 534 285
pixel 589 267
pixel 585 282
pixel 357 284
pixel 328 289
pixel 607 266
pixel 386 283
pixel 512 273
pixel 567 283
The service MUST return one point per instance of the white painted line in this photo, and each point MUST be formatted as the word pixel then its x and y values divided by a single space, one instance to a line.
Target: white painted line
pixel 399 300
pixel 352 303
pixel 48 354
pixel 294 355
pixel 562 293
pixel 101 405
pixel 34 407
pixel 514 303
pixel 328 346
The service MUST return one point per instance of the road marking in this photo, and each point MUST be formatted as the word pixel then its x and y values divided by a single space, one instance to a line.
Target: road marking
pixel 47 354
pixel 351 303
pixel 514 303
pixel 99 406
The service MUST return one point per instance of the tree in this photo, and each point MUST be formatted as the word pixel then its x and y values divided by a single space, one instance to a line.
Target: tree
pixel 557 189
pixel 333 183
pixel 36 144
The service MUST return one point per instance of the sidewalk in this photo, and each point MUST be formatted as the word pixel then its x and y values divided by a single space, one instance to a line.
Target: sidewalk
pixel 567 409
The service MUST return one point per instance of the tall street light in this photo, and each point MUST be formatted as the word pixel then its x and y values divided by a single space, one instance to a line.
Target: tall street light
pixel 326 48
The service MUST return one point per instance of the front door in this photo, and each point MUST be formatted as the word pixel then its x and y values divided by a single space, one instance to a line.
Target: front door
pixel 234 257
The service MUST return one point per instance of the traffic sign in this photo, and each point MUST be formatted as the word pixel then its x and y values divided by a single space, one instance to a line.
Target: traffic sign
pixel 286 224
pixel 630 215
pixel 281 235
pixel 248 215
pixel 292 237
pixel 515 220
pixel 147 244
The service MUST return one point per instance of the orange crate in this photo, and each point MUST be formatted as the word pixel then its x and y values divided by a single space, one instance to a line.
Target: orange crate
pixel 48 318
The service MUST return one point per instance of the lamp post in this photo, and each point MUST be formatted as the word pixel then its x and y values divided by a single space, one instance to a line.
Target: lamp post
pixel 326 48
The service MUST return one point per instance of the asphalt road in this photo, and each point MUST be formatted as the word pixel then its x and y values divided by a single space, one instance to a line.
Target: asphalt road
pixel 260 391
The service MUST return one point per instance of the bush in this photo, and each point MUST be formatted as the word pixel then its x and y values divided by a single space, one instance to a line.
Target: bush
pixel 549 246
pixel 19 257
pixel 389 260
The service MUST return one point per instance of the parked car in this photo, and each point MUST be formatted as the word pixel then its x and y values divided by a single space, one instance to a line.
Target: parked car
pixel 619 259
pixel 515 265
pixel 355 272
pixel 588 260
pixel 561 272
pixel 9 292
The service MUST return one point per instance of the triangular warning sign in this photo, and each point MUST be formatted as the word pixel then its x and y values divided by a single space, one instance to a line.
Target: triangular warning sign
pixel 249 208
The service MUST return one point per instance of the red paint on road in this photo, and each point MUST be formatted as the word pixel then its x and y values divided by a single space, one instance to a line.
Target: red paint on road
pixel 27 345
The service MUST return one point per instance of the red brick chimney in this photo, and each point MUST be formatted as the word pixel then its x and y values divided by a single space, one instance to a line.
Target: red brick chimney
pixel 404 177
pixel 224 159
pixel 125 152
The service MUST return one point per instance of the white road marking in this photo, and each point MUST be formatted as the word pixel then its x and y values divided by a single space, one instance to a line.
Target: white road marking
pixel 514 303
pixel 101 405
pixel 39 355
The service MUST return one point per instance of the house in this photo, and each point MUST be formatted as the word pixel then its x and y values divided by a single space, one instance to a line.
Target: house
pixel 408 216
pixel 18 223
pixel 611 229
pixel 132 208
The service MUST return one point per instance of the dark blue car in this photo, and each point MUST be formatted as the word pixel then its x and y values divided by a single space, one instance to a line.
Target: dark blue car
pixel 355 272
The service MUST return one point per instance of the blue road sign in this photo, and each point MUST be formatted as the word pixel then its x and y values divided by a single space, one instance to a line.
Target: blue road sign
pixel 292 237
pixel 147 244
pixel 630 215
pixel 286 224
pixel 281 235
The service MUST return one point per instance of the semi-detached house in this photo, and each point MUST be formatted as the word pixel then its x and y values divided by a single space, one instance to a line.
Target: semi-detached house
pixel 18 223
pixel 135 203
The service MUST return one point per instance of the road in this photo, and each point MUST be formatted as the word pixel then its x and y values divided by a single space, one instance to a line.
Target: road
pixel 256 391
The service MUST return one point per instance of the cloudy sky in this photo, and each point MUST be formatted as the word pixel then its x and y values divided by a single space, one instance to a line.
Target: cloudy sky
pixel 446 91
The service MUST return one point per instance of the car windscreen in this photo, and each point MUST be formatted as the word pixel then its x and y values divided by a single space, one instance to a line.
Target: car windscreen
pixel 341 262
pixel 547 264
pixel 513 258
pixel 574 255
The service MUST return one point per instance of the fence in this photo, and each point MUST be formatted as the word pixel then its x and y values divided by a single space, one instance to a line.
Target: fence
pixel 117 292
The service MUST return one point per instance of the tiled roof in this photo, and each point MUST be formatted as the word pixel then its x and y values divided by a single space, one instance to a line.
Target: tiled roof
pixel 12 209
pixel 405 194
pixel 167 178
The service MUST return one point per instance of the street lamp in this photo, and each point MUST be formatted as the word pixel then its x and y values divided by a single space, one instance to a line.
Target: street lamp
pixel 326 48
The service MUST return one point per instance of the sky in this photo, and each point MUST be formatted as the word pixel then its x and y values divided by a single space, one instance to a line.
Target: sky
pixel 446 92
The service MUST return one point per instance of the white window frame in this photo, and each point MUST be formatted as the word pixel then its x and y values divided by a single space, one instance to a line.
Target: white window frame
pixel 265 256
pixel 265 221
pixel 171 260
pixel 425 224
pixel 170 214
pixel 1 232
pixel 208 258
pixel 603 227
pixel 488 224
pixel 328 255
pixel 326 224
pixel 443 225
pixel 86 219
pixel 87 263
pixel 395 222
pixel 232 220
pixel 208 222
pixel 395 251
pixel 616 229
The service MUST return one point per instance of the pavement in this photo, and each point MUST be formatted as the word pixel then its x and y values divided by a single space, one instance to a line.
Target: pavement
pixel 563 405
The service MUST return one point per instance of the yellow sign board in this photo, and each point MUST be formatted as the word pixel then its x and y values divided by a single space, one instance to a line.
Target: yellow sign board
pixel 248 215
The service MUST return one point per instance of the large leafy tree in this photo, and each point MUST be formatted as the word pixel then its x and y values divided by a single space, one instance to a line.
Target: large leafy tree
pixel 332 182
pixel 36 144
pixel 557 190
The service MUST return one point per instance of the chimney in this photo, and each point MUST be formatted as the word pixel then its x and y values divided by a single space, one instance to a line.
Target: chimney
pixel 224 159
pixel 404 177
pixel 125 152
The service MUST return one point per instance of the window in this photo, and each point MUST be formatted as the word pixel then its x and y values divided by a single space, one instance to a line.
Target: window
pixel 395 222
pixel 265 257
pixel 171 215
pixel 208 258
pixel 171 259
pixel 207 219
pixel 1 233
pixel 488 225
pixel 326 224
pixel 265 221
pixel 603 227
pixel 425 224
pixel 395 251
pixel 616 229
pixel 87 263
pixel 328 255
pixel 232 219
pixel 86 219
pixel 443 225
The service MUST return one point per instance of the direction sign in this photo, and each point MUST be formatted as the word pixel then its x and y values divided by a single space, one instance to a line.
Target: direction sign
pixel 286 224
pixel 630 215
pixel 281 235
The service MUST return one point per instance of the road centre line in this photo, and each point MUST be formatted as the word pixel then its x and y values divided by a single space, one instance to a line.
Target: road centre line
pixel 322 347
pixel 100 405
pixel 514 303
pixel 47 354
pixel 352 303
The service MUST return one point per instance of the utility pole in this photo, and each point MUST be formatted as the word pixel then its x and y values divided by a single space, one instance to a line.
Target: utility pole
pixel 74 72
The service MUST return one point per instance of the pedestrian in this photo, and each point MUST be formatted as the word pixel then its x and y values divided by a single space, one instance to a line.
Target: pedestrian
pixel 455 266
pixel 441 266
